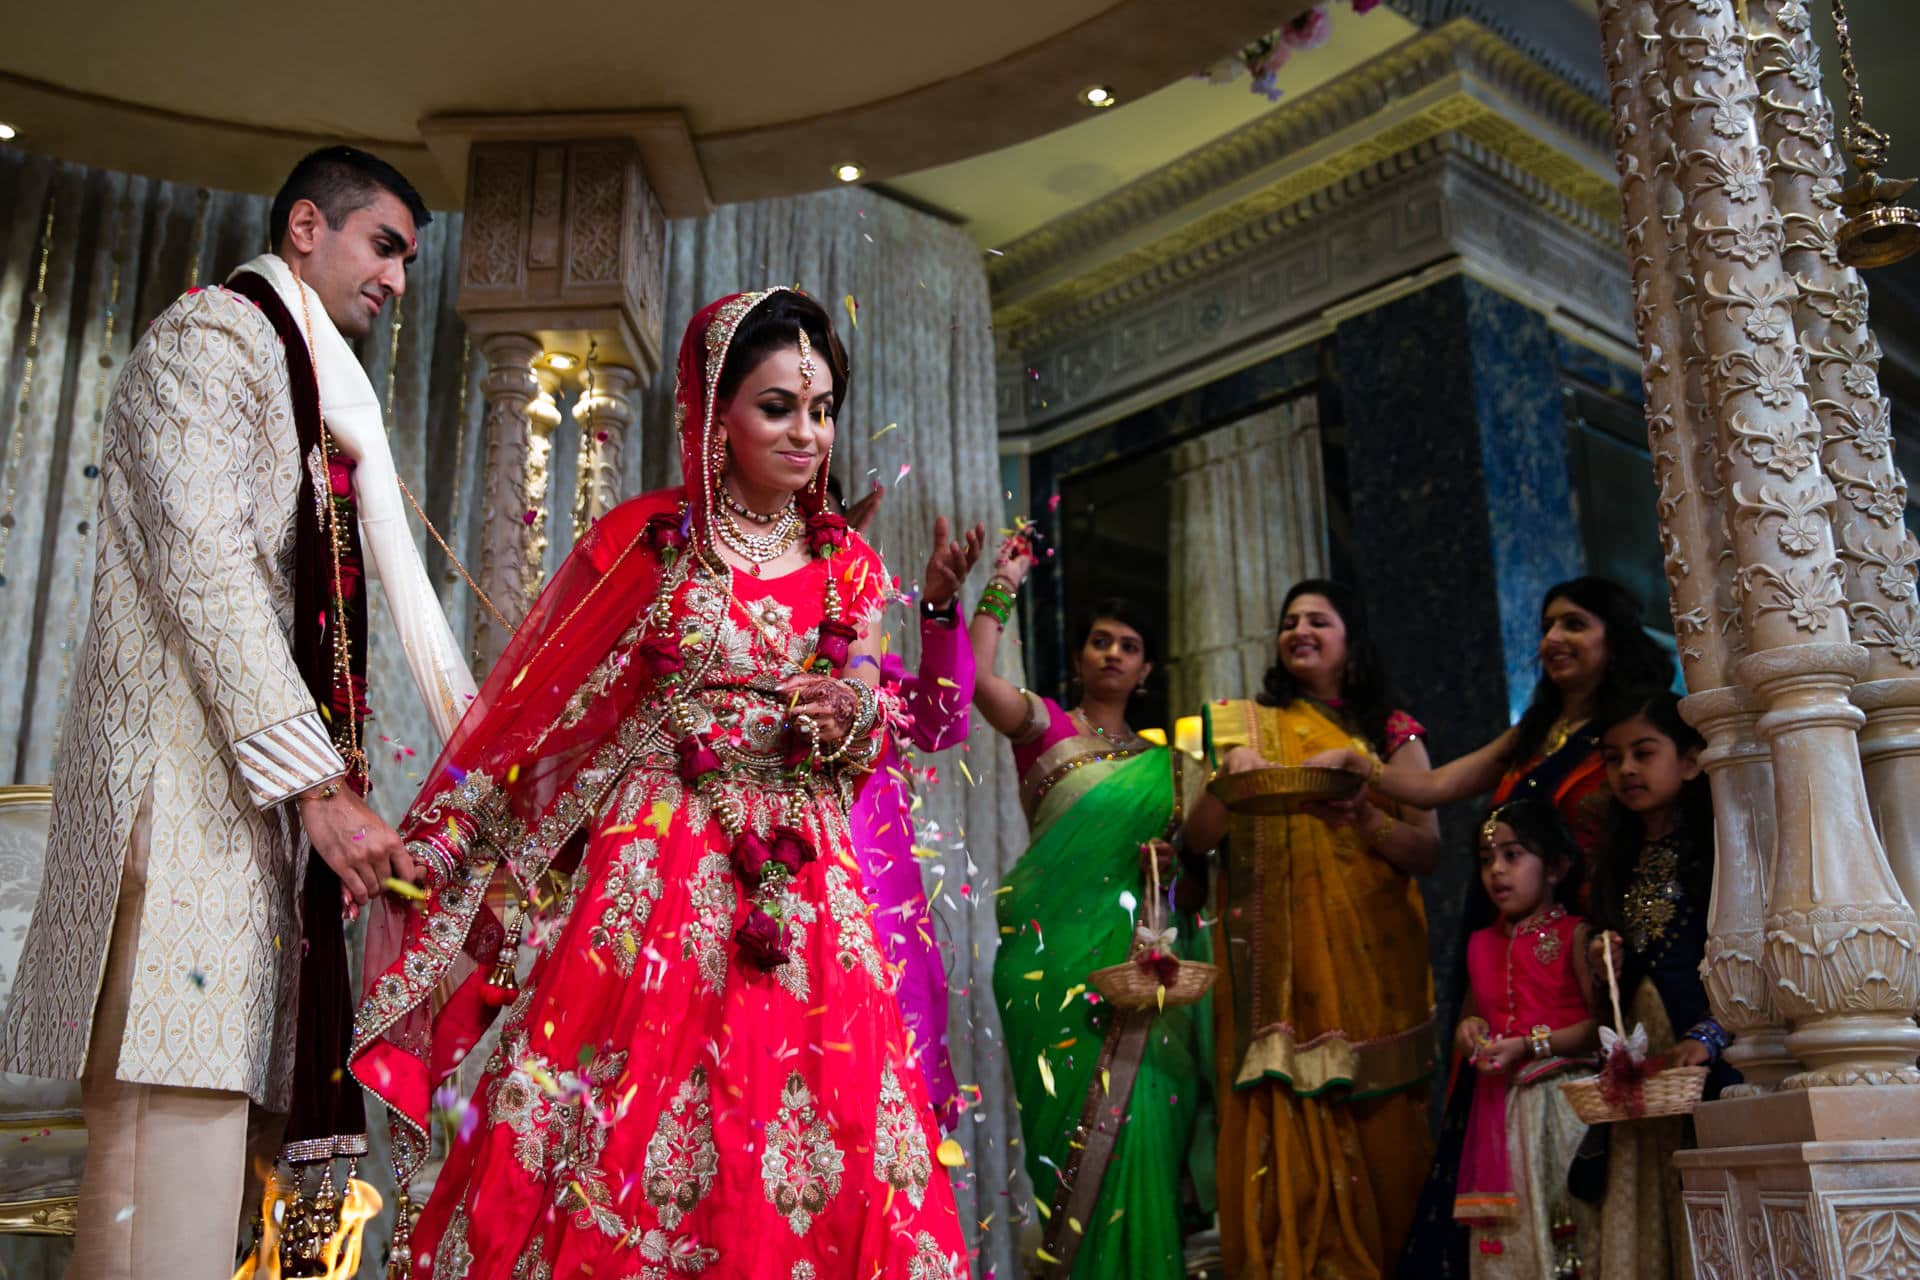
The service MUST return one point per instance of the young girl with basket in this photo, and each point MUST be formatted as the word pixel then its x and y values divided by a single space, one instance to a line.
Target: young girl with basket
pixel 1650 894
pixel 1526 1021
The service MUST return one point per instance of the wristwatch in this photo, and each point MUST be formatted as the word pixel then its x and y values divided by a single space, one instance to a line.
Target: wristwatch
pixel 947 614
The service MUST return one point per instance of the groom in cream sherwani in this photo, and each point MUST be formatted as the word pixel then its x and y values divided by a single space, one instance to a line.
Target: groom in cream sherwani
pixel 196 769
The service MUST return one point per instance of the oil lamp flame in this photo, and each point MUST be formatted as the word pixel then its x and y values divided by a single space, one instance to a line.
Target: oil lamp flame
pixel 339 1254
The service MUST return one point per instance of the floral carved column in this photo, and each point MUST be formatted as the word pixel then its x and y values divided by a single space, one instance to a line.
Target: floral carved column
pixel 1707 627
pixel 1840 938
pixel 605 415
pixel 1843 378
pixel 519 423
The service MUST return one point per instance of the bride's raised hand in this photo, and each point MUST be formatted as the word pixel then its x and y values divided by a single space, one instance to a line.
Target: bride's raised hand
pixel 950 562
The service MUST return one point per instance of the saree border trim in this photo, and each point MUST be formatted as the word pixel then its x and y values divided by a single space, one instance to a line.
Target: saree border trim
pixel 1370 1068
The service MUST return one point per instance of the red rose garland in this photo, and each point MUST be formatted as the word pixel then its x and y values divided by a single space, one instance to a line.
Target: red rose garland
pixel 763 866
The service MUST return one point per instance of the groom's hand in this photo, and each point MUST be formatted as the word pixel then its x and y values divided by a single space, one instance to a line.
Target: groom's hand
pixel 353 840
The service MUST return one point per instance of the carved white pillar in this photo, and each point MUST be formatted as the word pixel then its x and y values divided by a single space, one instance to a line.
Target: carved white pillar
pixel 1843 379
pixel 1841 940
pixel 1707 629
pixel 519 422
pixel 605 415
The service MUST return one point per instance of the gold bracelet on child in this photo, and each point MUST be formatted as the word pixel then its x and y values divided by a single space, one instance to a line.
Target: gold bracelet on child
pixel 1541 1040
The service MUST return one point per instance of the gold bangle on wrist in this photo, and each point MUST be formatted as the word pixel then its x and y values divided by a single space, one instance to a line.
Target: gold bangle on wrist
pixel 1540 1038
pixel 325 791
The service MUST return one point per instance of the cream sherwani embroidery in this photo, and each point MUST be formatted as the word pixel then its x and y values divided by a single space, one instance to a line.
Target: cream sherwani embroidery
pixel 186 684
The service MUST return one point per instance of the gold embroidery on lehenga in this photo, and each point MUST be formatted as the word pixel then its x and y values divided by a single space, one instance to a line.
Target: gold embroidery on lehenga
pixel 453 1258
pixel 681 1159
pixel 800 1169
pixel 928 1263
pixel 849 910
pixel 532 1263
pixel 899 1143
pixel 797 913
pixel 705 939
pixel 633 886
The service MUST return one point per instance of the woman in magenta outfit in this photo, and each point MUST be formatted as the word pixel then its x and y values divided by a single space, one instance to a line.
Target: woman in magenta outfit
pixel 935 701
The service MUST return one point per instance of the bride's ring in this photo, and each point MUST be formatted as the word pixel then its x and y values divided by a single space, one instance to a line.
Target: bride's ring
pixel 806 724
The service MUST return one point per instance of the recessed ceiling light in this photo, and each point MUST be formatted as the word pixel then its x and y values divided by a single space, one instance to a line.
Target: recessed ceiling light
pixel 7 132
pixel 848 172
pixel 1098 95
pixel 560 361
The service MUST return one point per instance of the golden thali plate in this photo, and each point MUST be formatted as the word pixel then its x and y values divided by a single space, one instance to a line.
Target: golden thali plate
pixel 1281 790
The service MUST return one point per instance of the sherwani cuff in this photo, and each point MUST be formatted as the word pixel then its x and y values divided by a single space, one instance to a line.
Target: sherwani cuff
pixel 282 760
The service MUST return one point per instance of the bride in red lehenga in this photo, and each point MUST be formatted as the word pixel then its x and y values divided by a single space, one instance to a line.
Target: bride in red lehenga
pixel 706 1073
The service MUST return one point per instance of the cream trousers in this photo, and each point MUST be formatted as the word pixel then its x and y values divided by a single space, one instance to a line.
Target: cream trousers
pixel 167 1168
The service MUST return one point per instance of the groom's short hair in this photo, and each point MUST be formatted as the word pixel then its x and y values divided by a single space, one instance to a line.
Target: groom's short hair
pixel 340 180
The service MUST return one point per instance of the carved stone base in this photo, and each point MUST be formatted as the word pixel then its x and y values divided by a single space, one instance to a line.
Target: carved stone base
pixel 1820 1184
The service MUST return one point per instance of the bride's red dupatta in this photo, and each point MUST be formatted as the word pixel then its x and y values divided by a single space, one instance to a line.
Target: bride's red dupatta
pixel 544 742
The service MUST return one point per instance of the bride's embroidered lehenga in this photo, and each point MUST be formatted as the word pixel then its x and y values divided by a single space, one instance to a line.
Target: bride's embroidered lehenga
pixel 669 1096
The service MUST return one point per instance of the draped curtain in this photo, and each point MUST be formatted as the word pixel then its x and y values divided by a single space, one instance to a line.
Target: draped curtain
pixel 920 420
pixel 1248 521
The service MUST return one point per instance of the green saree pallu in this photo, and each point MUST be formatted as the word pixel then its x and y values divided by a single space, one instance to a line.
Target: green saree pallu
pixel 1062 916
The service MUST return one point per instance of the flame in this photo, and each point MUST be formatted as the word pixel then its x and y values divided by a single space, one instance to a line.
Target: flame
pixel 341 1254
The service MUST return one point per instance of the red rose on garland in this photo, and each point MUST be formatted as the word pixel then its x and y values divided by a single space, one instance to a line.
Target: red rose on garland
pixel 697 759
pixel 826 531
pixel 833 643
pixel 791 848
pixel 663 656
pixel 667 531
pixel 750 858
pixel 759 939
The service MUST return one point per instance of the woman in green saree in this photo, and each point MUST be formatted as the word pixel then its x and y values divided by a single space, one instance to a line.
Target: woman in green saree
pixel 1108 1100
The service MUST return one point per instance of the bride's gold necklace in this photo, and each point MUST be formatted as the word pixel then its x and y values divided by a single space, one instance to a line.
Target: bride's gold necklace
pixel 757 549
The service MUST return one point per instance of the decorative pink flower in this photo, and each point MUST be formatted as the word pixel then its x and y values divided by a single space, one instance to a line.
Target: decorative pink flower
pixel 1272 60
pixel 1308 31
pixel 759 939
pixel 831 646
pixel 697 759
pixel 826 531
pixel 340 475
pixel 791 848
pixel 750 857
pixel 662 655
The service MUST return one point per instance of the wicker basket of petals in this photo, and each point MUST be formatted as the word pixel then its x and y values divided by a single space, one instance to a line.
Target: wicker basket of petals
pixel 1152 976
pixel 1625 1089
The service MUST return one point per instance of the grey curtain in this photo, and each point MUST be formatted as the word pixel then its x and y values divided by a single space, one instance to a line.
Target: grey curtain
pixel 1248 521
pixel 922 356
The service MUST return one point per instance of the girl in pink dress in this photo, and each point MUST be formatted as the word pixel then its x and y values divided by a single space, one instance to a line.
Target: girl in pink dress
pixel 706 1073
pixel 1526 1021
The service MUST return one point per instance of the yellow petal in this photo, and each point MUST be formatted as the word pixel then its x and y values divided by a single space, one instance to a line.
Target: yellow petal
pixel 1046 1076
pixel 951 1155
pixel 394 884
pixel 1077 1228
pixel 1034 975
pixel 1077 988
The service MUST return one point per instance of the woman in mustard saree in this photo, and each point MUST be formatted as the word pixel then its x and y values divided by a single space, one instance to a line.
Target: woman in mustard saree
pixel 1098 797
pixel 1324 1007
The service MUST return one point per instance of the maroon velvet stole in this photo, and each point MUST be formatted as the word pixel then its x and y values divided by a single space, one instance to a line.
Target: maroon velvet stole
pixel 328 1117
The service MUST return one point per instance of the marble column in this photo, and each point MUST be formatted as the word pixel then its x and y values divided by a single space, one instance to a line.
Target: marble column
pixel 1694 532
pixel 605 414
pixel 1843 378
pixel 1841 939
pixel 519 421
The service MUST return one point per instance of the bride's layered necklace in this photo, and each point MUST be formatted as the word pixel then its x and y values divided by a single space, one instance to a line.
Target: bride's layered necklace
pixel 778 532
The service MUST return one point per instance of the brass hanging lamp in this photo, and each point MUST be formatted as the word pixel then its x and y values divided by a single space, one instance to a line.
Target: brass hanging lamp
pixel 1879 231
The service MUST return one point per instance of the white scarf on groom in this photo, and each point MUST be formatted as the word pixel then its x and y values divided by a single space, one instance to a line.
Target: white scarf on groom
pixel 351 413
